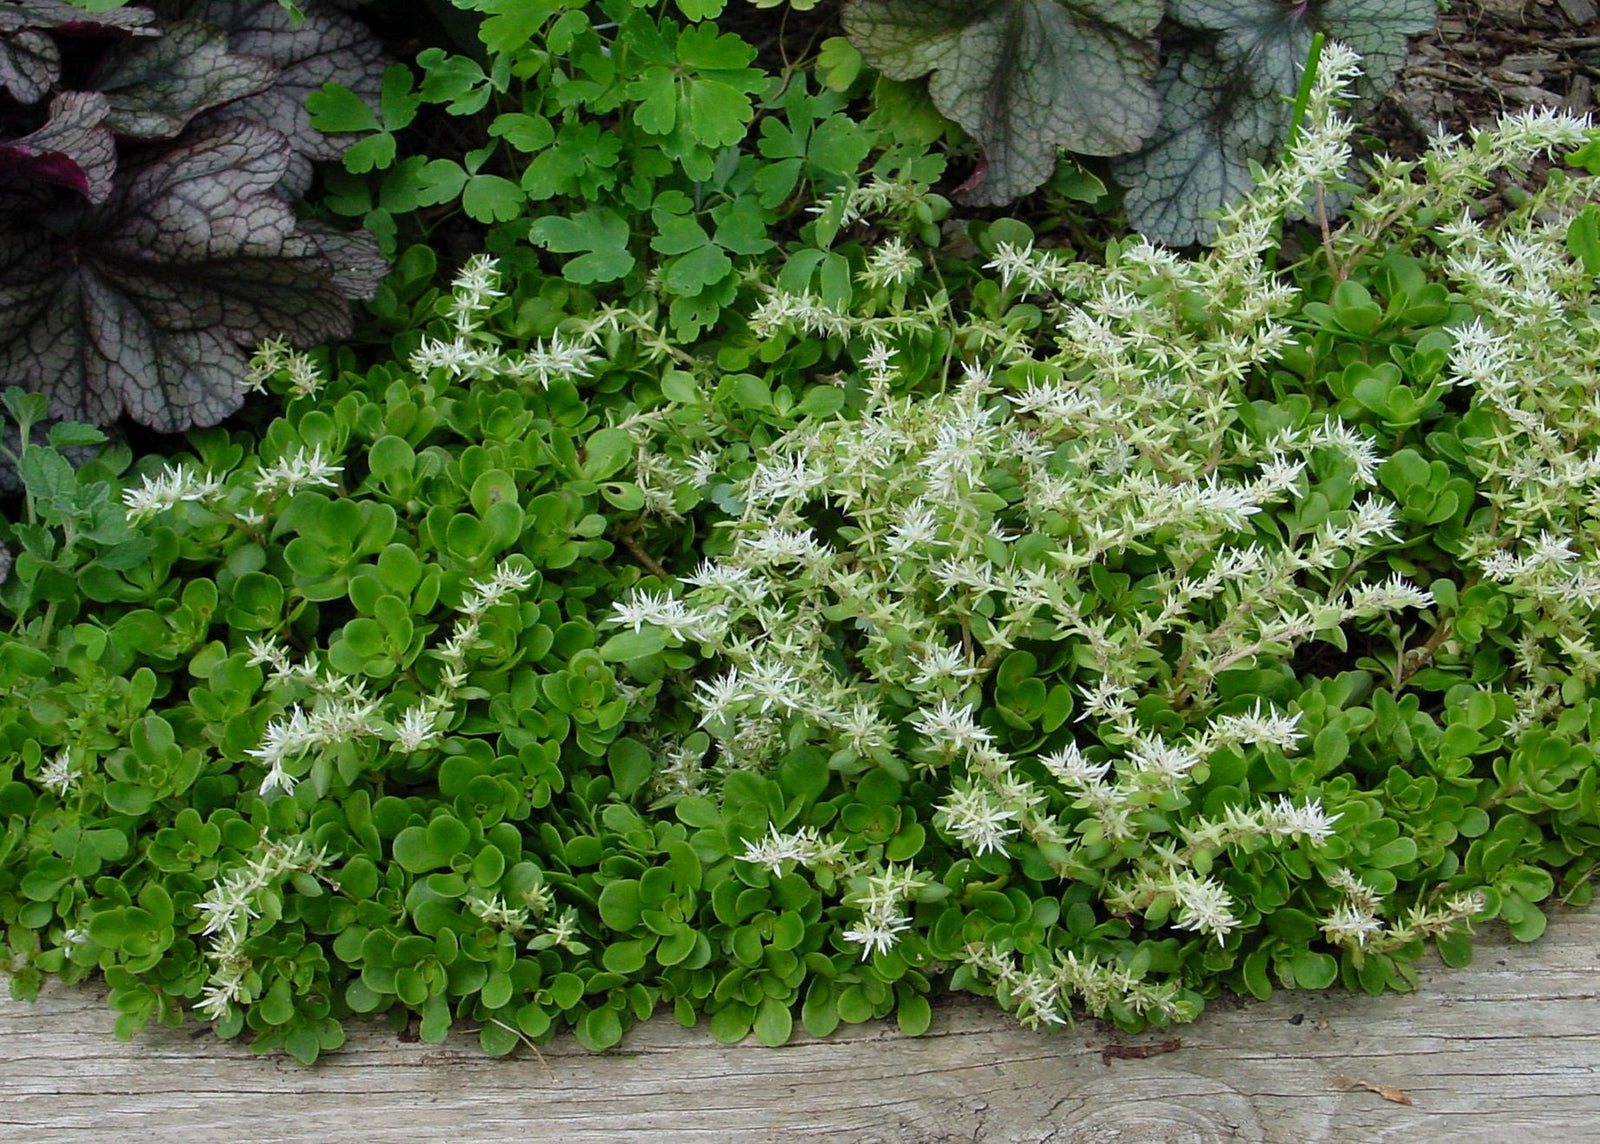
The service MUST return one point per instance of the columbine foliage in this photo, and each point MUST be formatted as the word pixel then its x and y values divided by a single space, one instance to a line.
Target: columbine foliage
pixel 636 145
pixel 1025 78
pixel 136 281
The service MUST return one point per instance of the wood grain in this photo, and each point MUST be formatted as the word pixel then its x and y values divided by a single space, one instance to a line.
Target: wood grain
pixel 1508 1048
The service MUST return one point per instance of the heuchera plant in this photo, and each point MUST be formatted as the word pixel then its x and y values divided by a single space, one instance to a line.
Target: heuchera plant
pixel 147 234
pixel 1026 78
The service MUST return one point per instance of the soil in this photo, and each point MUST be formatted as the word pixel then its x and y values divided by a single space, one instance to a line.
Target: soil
pixel 1488 57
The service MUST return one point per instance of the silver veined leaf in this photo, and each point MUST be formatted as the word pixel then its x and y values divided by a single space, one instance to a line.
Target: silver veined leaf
pixel 1199 160
pixel 1023 77
pixel 30 64
pixel 325 47
pixel 1271 38
pixel 1228 88
pixel 74 148
pixel 30 59
pixel 156 87
pixel 148 304
pixel 354 262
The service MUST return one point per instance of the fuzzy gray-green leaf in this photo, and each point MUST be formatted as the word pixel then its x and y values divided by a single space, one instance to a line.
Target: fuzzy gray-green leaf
pixel 1022 77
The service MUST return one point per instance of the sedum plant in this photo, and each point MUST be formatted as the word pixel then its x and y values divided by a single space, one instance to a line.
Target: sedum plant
pixel 259 696
pixel 1195 632
pixel 1095 636
pixel 317 720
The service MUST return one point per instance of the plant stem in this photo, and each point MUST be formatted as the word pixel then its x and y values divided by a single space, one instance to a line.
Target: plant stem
pixel 651 564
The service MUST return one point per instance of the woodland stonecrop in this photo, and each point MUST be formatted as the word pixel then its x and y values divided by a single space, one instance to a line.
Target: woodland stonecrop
pixel 1104 496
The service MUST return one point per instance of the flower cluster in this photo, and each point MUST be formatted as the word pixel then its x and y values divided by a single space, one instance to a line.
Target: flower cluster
pixel 175 484
pixel 1044 987
pixel 276 358
pixel 247 500
pixel 341 711
pixel 534 912
pixel 804 847
pixel 475 352
pixel 59 775
pixel 231 904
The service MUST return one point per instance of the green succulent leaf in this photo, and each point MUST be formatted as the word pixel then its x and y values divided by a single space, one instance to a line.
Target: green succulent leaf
pixel 1022 77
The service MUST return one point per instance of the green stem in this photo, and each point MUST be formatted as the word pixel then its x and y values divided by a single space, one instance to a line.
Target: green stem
pixel 1302 100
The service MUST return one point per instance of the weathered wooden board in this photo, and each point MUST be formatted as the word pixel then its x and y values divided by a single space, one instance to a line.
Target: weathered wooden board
pixel 1508 1049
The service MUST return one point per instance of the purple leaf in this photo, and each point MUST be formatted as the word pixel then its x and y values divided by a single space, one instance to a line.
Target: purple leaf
pixel 326 47
pixel 145 305
pixel 30 60
pixel 74 149
pixel 157 86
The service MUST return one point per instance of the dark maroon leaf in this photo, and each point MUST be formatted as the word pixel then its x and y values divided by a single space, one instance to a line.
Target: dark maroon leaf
pixel 326 47
pixel 30 61
pixel 74 149
pixel 157 86
pixel 146 305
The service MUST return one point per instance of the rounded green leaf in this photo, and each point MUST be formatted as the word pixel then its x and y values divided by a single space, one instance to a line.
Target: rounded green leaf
pixel 620 906
pixel 774 1023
